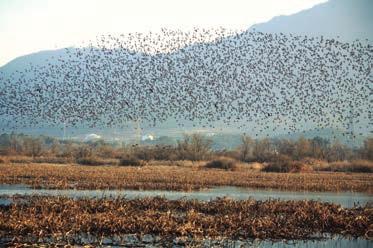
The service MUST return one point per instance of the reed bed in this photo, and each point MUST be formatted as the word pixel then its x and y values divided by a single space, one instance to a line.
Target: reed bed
pixel 176 178
pixel 60 218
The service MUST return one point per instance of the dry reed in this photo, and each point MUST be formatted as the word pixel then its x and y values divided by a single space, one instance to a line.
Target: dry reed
pixel 176 178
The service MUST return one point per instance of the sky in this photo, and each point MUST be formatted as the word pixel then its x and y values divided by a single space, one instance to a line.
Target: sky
pixel 28 26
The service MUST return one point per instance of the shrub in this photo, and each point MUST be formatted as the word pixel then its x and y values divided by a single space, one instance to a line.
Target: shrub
pixel 105 151
pixel 90 161
pixel 5 152
pixel 83 151
pixel 131 162
pixel 279 166
pixel 362 166
pixel 20 160
pixel 256 166
pixel 353 166
pixel 52 160
pixel 279 163
pixel 157 152
pixel 223 163
pixel 315 164
pixel 235 154
pixel 299 167
pixel 284 163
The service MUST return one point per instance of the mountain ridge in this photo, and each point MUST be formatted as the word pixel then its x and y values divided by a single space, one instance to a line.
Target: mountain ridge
pixel 346 20
pixel 278 23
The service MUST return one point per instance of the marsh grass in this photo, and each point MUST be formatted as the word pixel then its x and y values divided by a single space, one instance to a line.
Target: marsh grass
pixel 168 177
pixel 64 218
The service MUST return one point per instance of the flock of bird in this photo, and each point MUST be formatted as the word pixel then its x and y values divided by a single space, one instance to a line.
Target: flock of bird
pixel 276 81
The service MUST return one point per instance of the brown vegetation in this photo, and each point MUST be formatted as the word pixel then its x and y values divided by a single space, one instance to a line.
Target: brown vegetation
pixel 94 161
pixel 176 178
pixel 223 163
pixel 283 163
pixel 350 166
pixel 64 219
pixel 131 161
pixel 52 160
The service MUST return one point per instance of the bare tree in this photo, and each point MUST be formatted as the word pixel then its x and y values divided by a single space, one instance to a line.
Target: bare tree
pixel 263 150
pixel 367 149
pixel 338 152
pixel 194 147
pixel 302 148
pixel 246 148
pixel 33 146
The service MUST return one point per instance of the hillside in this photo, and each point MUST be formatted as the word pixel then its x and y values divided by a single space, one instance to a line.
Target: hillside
pixel 347 19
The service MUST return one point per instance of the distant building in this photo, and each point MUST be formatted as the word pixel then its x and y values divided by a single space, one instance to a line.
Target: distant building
pixel 92 136
pixel 147 137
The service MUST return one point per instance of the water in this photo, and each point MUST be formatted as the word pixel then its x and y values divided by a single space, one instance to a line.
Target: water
pixel 332 242
pixel 345 199
pixel 337 241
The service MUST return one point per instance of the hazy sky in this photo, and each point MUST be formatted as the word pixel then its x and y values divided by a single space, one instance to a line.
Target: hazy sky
pixel 28 26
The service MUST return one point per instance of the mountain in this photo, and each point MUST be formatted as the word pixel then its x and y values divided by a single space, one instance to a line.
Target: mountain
pixel 348 19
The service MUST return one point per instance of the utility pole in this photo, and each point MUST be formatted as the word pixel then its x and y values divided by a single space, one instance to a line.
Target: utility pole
pixel 137 131
pixel 64 130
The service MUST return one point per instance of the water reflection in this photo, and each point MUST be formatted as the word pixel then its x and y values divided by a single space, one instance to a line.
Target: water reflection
pixel 339 242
